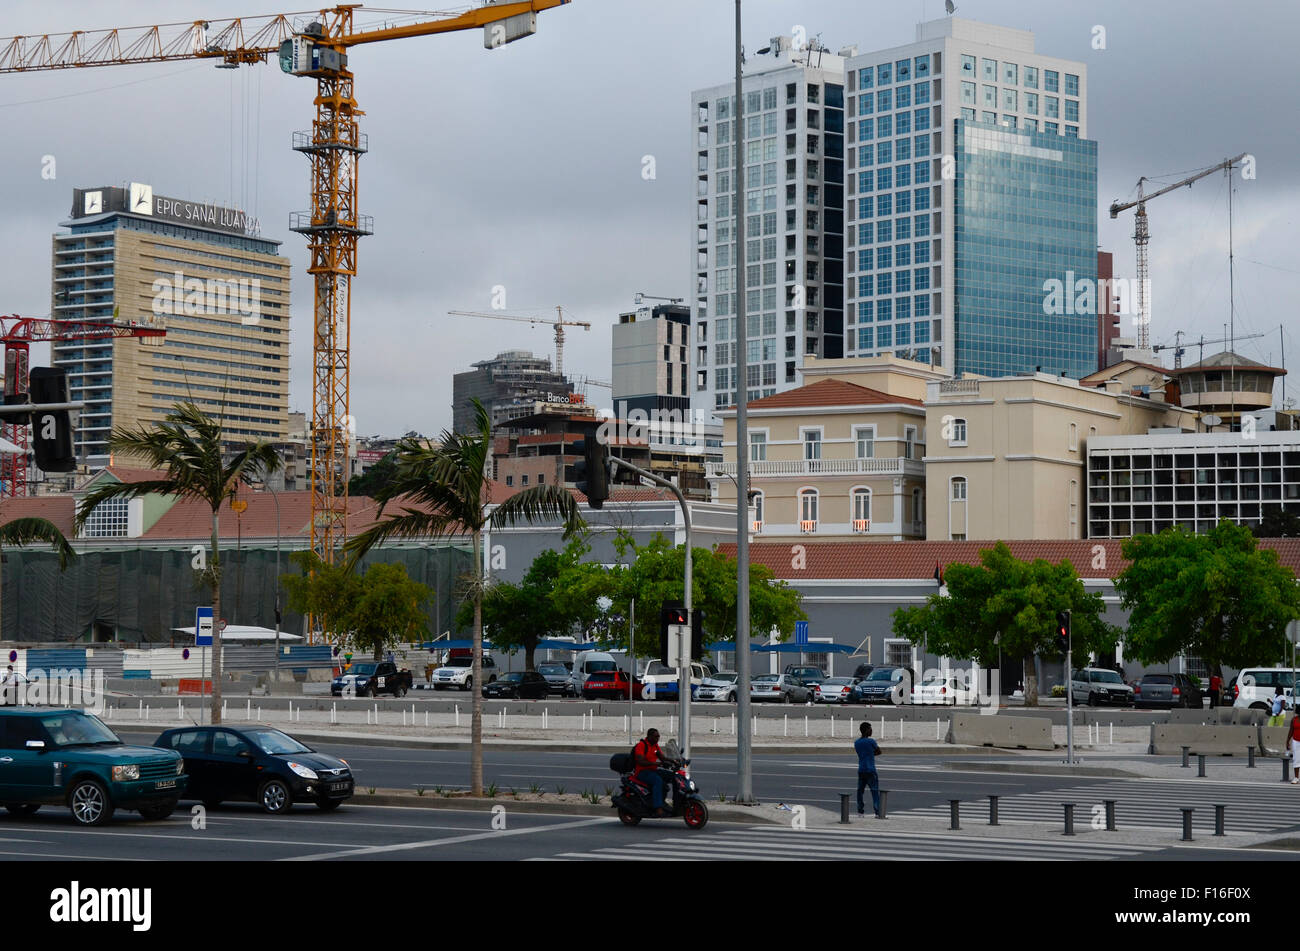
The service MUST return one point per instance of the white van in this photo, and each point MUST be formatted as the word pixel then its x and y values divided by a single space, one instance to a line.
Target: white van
pixel 586 663
pixel 1255 687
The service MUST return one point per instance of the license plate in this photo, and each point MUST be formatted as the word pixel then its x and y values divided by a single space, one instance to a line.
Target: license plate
pixel 338 787
pixel 165 784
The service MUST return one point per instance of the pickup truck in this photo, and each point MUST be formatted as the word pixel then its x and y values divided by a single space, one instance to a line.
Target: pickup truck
pixel 371 679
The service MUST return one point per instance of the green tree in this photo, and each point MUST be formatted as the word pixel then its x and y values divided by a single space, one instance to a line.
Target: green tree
pixel 443 490
pixel 1006 607
pixel 371 611
pixel 1278 524
pixel 187 446
pixel 20 532
pixel 374 478
pixel 1216 596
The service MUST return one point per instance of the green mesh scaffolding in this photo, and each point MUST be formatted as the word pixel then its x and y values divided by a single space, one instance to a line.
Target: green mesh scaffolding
pixel 143 594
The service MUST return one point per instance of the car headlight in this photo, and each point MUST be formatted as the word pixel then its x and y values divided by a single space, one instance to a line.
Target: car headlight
pixel 303 771
pixel 180 766
pixel 126 773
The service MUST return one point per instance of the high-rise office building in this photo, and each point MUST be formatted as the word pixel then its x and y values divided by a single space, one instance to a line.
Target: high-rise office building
pixel 794 228
pixel 651 360
pixel 508 386
pixel 971 204
pixel 202 272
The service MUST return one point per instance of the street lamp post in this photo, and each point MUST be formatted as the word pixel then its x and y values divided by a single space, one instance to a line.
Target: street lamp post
pixel 276 498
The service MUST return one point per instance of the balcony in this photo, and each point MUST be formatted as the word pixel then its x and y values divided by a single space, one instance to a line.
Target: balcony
pixel 861 525
pixel 799 468
pixel 808 526
pixel 757 526
pixel 959 388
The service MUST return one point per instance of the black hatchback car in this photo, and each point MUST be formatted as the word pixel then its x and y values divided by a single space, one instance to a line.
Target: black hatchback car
pixel 257 764
pixel 519 685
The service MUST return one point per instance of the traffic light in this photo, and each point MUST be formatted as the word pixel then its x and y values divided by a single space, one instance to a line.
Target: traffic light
pixel 1063 632
pixel 672 613
pixel 590 474
pixel 51 429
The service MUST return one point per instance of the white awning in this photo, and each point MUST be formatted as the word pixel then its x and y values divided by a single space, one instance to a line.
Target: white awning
pixel 247 634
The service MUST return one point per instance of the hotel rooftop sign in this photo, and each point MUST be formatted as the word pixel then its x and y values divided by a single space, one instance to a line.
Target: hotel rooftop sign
pixel 139 199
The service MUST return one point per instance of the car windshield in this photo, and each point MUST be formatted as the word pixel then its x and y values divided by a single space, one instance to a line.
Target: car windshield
pixel 513 678
pixel 78 729
pixel 659 668
pixel 882 673
pixel 766 678
pixel 273 741
pixel 724 678
pixel 460 662
pixel 552 670
pixel 363 670
pixel 1158 678
pixel 595 665
pixel 1106 677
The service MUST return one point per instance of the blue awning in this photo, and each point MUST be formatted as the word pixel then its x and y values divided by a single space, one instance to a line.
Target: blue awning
pixel 812 647
pixel 551 644
pixel 458 645
pixel 726 646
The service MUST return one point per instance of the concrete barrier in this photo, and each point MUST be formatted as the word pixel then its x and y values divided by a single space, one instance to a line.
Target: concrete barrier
pixel 1197 717
pixel 1013 733
pixel 1248 717
pixel 1273 740
pixel 1170 738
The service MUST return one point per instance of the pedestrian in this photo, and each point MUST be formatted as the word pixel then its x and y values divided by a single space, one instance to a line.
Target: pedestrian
pixel 1294 735
pixel 867 750
pixel 1279 704
pixel 1216 689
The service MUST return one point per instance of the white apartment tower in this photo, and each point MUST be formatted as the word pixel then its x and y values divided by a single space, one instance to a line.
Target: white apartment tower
pixel 794 222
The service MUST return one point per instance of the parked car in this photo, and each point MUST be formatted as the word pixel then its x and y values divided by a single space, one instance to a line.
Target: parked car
pixel 780 687
pixel 1255 687
pixel 557 679
pixel 257 764
pixel 518 685
pixel 69 758
pixel 834 690
pixel 862 671
pixel 884 685
pixel 586 663
pixel 459 672
pixel 944 690
pixel 609 685
pixel 1167 690
pixel 807 674
pixel 371 679
pixel 1097 686
pixel 718 686
pixel 661 680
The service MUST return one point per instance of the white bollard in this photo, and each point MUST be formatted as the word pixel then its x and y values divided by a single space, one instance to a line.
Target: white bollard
pixel 426 718
pixel 1112 734
pixel 805 724
pixel 785 724
pixel 248 713
pixel 671 721
pixel 642 727
pixel 937 735
pixel 140 715
pixel 733 724
pixel 223 709
pixel 832 726
pixel 458 714
pixel 146 713
pixel 180 714
pixel 259 713
pixel 882 726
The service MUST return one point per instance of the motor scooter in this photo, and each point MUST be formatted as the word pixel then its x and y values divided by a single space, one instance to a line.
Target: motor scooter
pixel 633 799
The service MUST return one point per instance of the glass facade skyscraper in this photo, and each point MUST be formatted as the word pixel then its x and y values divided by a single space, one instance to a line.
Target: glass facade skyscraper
pixel 1025 239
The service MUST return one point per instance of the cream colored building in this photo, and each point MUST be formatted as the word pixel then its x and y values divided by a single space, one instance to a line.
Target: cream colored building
pixel 837 457
pixel 204 274
pixel 1007 457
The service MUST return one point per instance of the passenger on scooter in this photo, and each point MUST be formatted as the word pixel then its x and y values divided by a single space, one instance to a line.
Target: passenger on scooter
pixel 649 758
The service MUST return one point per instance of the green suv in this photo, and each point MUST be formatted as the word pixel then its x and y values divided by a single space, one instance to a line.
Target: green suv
pixel 66 757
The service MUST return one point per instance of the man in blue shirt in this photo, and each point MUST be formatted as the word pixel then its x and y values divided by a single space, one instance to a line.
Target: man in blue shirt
pixel 867 750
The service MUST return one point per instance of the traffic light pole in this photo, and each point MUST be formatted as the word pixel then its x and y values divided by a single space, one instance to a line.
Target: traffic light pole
pixel 684 672
pixel 1069 688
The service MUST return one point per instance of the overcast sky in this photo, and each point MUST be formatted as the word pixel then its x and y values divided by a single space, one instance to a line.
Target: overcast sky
pixel 522 166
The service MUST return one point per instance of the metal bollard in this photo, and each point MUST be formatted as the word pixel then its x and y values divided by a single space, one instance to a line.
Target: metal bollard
pixel 1110 814
pixel 1069 817
pixel 954 813
pixel 1218 818
pixel 1200 764
pixel 993 810
pixel 1186 750
pixel 1187 823
pixel 844 808
pixel 884 803
pixel 1286 766
pixel 1250 757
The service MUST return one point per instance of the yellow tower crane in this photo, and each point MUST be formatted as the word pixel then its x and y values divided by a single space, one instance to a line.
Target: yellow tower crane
pixel 317 50
pixel 559 324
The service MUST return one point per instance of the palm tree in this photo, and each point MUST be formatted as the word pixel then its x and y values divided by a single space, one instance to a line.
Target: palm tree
pixel 444 490
pixel 24 531
pixel 187 445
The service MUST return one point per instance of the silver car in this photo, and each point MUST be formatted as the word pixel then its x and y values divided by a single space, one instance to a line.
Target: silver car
pixel 778 687
pixel 718 686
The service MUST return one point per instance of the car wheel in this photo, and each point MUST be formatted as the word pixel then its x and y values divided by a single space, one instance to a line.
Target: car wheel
pixel 90 803
pixel 696 814
pixel 400 692
pixel 160 810
pixel 274 797
pixel 1092 699
pixel 329 805
pixel 787 698
pixel 627 818
pixel 23 808
pixel 469 684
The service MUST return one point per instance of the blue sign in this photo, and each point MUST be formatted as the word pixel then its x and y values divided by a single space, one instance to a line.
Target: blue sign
pixel 801 632
pixel 203 627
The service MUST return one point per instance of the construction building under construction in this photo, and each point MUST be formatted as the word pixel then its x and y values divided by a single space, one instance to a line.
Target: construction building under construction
pixel 508 386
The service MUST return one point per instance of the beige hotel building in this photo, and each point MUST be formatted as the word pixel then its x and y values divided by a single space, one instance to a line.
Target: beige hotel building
pixel 200 271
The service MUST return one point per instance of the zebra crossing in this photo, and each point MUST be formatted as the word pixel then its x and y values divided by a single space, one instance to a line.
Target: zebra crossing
pixel 1141 804
pixel 779 844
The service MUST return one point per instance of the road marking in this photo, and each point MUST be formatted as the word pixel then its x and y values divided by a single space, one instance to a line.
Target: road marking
pixel 432 843
pixel 67 855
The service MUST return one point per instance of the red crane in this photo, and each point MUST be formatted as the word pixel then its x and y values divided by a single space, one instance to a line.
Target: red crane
pixel 18 333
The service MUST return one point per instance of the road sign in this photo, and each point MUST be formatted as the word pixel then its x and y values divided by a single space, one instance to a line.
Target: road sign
pixel 203 627
pixel 239 505
pixel 801 632
pixel 223 625
pixel 679 645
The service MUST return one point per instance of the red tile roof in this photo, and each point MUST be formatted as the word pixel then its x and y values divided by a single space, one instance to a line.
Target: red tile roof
pixel 831 393
pixel 59 509
pixel 127 474
pixel 902 560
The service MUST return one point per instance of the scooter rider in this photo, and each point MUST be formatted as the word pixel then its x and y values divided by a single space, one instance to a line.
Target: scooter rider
pixel 649 759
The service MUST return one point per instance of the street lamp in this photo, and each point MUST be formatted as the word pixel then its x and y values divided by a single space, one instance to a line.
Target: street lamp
pixel 276 498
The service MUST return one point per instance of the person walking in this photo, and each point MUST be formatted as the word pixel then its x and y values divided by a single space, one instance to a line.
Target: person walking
pixel 1279 705
pixel 1293 735
pixel 1216 690
pixel 867 750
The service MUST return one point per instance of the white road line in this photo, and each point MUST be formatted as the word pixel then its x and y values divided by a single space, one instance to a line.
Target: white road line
pixel 67 855
pixel 433 843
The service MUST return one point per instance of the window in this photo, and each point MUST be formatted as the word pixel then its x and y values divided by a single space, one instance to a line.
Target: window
pixel 757 447
pixel 225 743
pixel 861 509
pixel 1031 77
pixel 107 520
pixel 1071 84
pixel 541 478
pixel 990 96
pixel 1074 437
pixel 865 439
pixel 808 510
pixel 1071 110
pixel 957 435
pixel 812 444
pixel 1010 74
pixel 510 480
pixel 523 480
pixel 1031 103
pixel 968 94
pixel 1052 107
pixel 756 509
pixel 958 489
pixel 909 442
pixel 1051 80
pixel 989 70
pixel 968 65
pixel 918 511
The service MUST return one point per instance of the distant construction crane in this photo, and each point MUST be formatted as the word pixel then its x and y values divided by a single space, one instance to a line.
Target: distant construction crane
pixel 1142 236
pixel 559 324
pixel 18 334
pixel 1179 349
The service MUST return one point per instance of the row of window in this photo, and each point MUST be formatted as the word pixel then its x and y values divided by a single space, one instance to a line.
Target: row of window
pixel 864 438
pixel 900 71
pixel 1012 74
pixel 859 509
